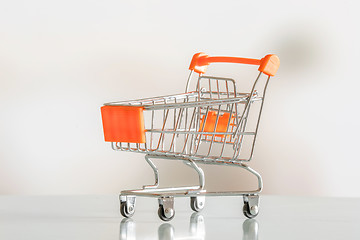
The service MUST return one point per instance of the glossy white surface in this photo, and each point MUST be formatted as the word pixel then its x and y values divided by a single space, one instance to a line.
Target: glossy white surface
pixel 97 217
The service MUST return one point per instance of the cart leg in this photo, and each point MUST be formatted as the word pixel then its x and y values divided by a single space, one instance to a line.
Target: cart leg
pixel 251 200
pixel 200 172
pixel 251 205
pixel 166 210
pixel 127 205
pixel 260 183
pixel 156 173
pixel 197 203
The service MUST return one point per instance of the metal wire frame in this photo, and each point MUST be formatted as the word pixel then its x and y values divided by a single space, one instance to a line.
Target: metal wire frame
pixel 175 130
pixel 185 113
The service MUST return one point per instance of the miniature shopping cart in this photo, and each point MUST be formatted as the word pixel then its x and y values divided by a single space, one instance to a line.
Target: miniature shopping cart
pixel 214 124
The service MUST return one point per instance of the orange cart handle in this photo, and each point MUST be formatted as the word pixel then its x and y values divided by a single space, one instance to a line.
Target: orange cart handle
pixel 268 64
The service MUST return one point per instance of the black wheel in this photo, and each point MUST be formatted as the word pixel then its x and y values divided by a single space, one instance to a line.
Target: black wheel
pixel 125 211
pixel 196 205
pixel 246 211
pixel 166 216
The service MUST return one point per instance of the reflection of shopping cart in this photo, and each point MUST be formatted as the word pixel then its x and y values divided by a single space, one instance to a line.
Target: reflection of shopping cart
pixel 215 124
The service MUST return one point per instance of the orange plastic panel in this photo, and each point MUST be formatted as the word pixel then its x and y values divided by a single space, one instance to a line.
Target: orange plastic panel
pixel 123 124
pixel 211 120
pixel 269 64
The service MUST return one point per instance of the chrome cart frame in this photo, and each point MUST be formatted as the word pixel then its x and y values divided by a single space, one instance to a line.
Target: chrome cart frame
pixel 214 125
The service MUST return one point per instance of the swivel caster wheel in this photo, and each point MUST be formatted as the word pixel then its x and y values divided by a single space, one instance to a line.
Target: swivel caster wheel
pixel 250 213
pixel 166 210
pixel 197 203
pixel 251 206
pixel 127 206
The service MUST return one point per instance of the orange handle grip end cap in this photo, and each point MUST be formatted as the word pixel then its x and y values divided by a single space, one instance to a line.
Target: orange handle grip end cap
pixel 269 64
pixel 195 66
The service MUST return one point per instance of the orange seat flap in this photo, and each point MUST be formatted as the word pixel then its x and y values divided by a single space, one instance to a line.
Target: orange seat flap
pixel 211 120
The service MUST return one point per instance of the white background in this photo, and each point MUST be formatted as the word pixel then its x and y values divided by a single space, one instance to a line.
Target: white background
pixel 61 60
